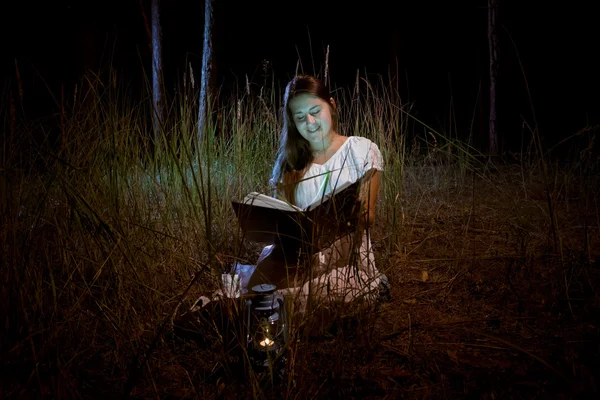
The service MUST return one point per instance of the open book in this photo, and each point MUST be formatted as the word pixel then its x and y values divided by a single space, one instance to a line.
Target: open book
pixel 268 220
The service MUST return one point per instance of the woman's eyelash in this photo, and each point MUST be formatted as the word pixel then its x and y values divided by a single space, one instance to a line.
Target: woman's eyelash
pixel 314 112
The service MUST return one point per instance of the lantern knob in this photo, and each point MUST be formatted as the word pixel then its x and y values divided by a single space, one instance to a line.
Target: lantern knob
pixel 264 288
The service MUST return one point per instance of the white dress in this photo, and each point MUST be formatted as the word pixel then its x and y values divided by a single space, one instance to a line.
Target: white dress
pixel 332 280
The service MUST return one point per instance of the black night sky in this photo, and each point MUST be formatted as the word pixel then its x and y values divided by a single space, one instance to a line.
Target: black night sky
pixel 441 50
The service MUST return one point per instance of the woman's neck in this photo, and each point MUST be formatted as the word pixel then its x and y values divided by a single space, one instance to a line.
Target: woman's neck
pixel 322 146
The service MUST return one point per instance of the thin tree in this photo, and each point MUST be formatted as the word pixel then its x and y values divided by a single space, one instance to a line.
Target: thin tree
pixel 158 104
pixel 207 85
pixel 493 50
pixel 208 77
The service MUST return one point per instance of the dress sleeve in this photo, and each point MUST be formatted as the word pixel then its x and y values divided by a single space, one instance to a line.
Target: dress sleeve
pixel 373 157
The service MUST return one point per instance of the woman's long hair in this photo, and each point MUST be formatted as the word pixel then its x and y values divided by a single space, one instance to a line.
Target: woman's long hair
pixel 295 154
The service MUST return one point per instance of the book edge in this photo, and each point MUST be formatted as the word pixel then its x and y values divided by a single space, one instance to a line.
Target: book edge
pixel 267 200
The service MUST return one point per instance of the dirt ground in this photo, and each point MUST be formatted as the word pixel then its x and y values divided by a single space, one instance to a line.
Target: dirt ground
pixel 484 305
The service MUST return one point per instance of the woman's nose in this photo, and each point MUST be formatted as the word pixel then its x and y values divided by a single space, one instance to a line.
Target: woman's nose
pixel 310 119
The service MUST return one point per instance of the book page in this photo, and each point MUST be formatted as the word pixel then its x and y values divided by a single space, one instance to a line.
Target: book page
pixel 262 200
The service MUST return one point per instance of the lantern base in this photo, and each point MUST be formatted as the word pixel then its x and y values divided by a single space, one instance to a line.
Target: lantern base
pixel 274 369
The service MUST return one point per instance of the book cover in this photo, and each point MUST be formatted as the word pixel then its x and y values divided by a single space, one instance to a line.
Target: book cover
pixel 268 220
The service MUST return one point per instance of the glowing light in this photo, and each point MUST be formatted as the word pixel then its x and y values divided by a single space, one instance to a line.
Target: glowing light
pixel 266 342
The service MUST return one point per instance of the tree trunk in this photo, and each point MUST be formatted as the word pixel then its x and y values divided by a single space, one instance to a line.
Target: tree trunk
pixel 493 49
pixel 207 84
pixel 158 105
pixel 208 78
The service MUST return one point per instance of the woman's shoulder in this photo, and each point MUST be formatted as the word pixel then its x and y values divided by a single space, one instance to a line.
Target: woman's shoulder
pixel 362 144
pixel 360 141
pixel 364 149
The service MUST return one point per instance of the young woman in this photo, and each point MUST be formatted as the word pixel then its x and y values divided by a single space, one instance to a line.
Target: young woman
pixel 311 148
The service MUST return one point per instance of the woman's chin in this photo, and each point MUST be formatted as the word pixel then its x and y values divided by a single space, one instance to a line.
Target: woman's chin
pixel 315 137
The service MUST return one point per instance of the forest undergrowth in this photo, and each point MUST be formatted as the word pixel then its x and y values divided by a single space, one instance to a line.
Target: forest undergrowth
pixel 108 238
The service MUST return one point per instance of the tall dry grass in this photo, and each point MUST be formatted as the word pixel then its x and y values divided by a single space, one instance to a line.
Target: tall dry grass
pixel 107 236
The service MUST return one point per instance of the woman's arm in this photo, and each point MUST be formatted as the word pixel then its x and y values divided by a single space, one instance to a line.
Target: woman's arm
pixel 368 196
pixel 279 193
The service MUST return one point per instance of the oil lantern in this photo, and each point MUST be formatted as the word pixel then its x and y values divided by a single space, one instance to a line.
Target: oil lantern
pixel 267 325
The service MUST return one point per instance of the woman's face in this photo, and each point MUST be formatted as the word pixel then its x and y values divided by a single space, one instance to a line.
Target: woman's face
pixel 312 117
